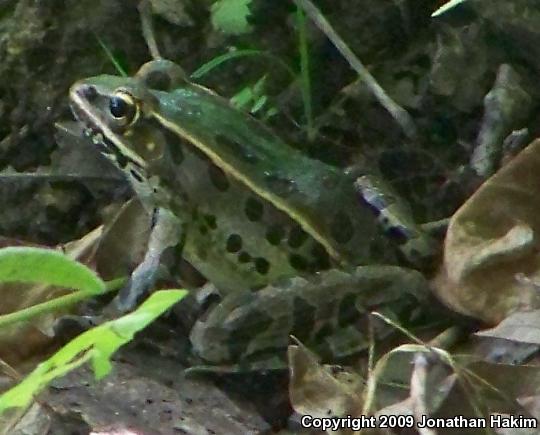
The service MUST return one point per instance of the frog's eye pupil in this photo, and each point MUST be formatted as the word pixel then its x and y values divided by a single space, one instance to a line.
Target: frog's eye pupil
pixel 123 108
pixel 119 107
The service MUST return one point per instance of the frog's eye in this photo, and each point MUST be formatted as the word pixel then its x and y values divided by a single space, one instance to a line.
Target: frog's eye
pixel 123 108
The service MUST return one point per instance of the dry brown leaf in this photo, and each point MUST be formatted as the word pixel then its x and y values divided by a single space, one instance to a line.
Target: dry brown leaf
pixel 490 239
pixel 318 391
pixel 124 241
pixel 522 327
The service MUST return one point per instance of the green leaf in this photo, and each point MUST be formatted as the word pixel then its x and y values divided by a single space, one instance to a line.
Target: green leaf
pixel 446 7
pixel 230 16
pixel 218 60
pixel 96 345
pixel 251 95
pixel 46 266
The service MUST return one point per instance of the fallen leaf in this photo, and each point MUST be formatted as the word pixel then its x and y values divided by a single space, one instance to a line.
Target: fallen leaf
pixel 491 239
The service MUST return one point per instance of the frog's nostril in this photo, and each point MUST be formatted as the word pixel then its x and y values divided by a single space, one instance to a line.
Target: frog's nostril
pixel 88 91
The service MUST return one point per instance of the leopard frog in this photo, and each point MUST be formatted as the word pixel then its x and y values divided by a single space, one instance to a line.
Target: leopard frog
pixel 253 209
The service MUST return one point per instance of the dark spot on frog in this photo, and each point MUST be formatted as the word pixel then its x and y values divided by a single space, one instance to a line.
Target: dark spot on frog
pixel 303 319
pixel 297 237
pixel 275 234
pixel 236 149
pixel 347 310
pixel 278 184
pixel 234 243
pixel 89 92
pixel 399 234
pixel 254 209
pixel 175 146
pixel 103 149
pixel 218 178
pixel 342 228
pixel 158 80
pixel 321 259
pixel 247 326
pixel 262 265
pixel 203 230
pixel 121 160
pixel 298 262
pixel 136 175
pixel 244 257
pixel 210 221
pixel 105 142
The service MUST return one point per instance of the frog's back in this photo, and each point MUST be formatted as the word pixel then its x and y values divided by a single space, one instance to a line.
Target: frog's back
pixel 266 174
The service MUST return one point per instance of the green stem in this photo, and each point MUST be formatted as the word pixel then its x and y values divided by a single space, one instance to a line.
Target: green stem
pixel 56 303
pixel 304 72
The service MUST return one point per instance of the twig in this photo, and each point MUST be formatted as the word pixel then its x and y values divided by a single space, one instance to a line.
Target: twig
pixel 145 11
pixel 401 116
pixel 418 391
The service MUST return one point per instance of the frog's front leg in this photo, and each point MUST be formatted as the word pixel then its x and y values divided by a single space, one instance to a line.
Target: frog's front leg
pixel 167 231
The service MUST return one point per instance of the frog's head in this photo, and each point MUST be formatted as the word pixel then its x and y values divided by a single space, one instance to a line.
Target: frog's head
pixel 116 113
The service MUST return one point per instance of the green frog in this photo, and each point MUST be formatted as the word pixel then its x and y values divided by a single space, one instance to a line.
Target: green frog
pixel 253 211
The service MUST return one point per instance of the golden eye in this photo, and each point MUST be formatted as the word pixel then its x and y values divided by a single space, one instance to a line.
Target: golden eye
pixel 123 108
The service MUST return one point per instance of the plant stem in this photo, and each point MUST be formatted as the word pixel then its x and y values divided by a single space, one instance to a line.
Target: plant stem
pixel 56 304
pixel 401 116
pixel 305 82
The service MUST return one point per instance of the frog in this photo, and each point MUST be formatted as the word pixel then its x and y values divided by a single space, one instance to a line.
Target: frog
pixel 252 210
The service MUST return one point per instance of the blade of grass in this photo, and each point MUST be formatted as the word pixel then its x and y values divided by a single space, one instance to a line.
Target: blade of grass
pixel 216 61
pixel 305 82
pixel 111 57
